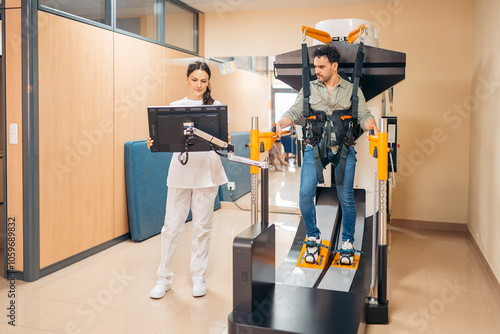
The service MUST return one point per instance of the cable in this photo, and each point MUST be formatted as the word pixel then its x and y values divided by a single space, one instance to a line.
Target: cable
pixel 393 185
pixel 231 192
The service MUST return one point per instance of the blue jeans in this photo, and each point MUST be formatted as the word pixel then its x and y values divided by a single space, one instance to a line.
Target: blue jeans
pixel 308 185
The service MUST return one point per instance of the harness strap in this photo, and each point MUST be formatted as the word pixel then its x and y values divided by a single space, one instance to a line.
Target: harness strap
pixel 306 78
pixel 344 150
pixel 357 71
pixel 319 166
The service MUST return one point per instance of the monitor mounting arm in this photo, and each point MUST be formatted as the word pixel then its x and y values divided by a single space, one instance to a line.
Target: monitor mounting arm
pixel 190 130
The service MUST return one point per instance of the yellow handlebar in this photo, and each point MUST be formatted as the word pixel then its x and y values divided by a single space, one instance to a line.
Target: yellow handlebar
pixel 353 35
pixel 261 138
pixel 379 149
pixel 320 35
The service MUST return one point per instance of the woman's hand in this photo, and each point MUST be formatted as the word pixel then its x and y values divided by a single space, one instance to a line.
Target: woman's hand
pixel 150 142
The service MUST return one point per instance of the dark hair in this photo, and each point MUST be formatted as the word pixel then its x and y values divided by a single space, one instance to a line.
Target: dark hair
pixel 199 65
pixel 328 51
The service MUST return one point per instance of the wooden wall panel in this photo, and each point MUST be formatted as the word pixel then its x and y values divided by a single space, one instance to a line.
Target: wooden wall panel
pixel 223 90
pixel 75 137
pixel 139 79
pixel 12 3
pixel 14 152
pixel 246 94
pixel 175 66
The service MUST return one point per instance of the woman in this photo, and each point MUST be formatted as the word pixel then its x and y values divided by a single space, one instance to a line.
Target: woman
pixel 190 186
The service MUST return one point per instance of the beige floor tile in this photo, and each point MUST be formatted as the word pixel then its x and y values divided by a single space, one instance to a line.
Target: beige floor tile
pixel 72 318
pixel 438 279
pixel 392 328
pixel 462 268
pixel 496 320
pixel 406 276
pixel 130 323
pixel 221 289
pixel 447 251
pixel 183 327
pixel 29 309
pixel 454 297
pixel 493 302
pixel 410 258
pixel 61 289
pixel 206 311
pixel 408 293
pixel 114 294
pixel 460 321
pixel 90 296
pixel 167 307
pixel 409 315
pixel 8 329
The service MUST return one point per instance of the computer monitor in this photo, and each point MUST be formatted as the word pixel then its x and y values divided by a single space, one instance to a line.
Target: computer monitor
pixel 166 126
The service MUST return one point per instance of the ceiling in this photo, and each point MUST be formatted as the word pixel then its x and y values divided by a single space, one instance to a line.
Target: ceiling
pixel 208 6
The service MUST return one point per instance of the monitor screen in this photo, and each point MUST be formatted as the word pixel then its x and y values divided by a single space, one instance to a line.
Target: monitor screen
pixel 166 126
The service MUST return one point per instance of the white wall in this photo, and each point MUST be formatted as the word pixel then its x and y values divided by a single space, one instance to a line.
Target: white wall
pixel 484 161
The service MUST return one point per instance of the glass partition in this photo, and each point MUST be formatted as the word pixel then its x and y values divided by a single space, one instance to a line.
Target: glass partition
pixel 180 27
pixel 94 10
pixel 138 17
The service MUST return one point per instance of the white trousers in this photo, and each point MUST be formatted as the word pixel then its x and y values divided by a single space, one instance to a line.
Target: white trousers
pixel 179 201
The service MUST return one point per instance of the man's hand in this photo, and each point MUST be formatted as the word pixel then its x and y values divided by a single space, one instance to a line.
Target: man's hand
pixel 283 123
pixel 150 142
pixel 371 124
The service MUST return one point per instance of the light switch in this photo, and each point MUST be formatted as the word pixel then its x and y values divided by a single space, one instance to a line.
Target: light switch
pixel 13 136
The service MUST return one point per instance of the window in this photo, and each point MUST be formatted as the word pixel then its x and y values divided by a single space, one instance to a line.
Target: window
pixel 95 10
pixel 167 22
pixel 283 98
pixel 180 30
pixel 138 17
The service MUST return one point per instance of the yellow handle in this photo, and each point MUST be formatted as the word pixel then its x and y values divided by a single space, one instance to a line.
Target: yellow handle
pixel 320 35
pixel 353 35
pixel 379 149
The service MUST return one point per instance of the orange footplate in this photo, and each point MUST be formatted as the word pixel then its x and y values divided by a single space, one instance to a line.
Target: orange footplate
pixel 336 263
pixel 322 258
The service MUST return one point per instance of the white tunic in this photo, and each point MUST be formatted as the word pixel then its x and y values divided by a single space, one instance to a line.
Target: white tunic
pixel 203 169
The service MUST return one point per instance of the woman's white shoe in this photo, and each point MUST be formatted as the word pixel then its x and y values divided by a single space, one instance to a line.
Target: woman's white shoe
pixel 199 288
pixel 159 290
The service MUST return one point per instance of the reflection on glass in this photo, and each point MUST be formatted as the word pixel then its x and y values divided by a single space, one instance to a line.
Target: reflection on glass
pixel 282 103
pixel 179 27
pixel 93 10
pixel 137 17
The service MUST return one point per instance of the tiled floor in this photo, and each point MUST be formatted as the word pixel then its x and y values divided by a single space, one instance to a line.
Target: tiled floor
pixel 435 286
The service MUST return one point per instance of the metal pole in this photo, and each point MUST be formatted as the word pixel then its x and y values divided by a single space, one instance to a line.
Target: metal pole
pixel 382 238
pixel 255 178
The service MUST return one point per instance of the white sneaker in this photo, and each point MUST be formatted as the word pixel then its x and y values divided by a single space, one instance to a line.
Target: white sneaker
pixel 312 250
pixel 347 253
pixel 159 290
pixel 199 288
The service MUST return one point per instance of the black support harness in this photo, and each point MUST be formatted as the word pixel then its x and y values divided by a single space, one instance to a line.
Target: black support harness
pixel 340 129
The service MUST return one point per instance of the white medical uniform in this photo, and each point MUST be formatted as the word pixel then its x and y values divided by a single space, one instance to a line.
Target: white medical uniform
pixel 190 186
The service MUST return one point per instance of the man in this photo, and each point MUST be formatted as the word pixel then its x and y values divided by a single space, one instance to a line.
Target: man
pixel 329 93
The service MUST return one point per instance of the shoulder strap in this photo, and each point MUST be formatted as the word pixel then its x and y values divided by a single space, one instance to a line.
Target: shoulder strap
pixel 306 78
pixel 357 71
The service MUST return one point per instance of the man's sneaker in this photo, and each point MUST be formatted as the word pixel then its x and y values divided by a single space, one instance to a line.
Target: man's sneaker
pixel 312 249
pixel 199 288
pixel 159 290
pixel 347 253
